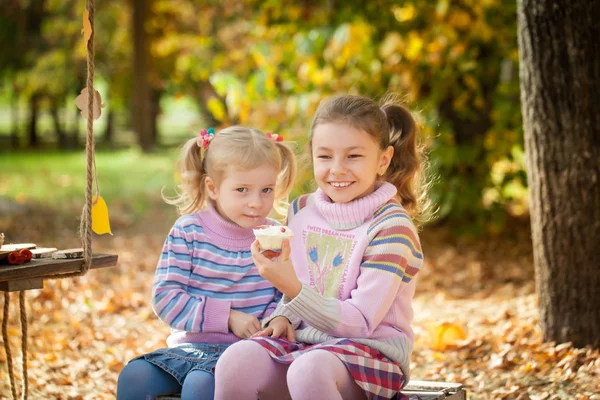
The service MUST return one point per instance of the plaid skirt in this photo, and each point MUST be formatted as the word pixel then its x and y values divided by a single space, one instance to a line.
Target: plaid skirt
pixel 376 374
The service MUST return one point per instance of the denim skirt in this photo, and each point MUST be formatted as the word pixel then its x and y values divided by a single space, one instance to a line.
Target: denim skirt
pixel 179 361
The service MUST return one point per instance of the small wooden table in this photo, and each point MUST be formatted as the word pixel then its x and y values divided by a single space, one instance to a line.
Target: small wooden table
pixel 31 275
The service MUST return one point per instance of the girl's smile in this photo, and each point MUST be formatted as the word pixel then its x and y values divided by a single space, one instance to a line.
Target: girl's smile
pixel 340 185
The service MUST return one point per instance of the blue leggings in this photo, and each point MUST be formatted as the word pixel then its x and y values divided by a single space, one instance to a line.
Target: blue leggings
pixel 141 380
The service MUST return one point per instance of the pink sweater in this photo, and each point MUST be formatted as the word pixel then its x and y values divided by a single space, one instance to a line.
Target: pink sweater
pixel 357 262
pixel 205 271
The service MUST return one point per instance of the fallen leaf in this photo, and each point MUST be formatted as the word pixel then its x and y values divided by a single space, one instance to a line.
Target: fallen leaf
pixel 446 335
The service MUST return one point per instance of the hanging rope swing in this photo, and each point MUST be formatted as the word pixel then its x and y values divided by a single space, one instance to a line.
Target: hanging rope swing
pixel 31 275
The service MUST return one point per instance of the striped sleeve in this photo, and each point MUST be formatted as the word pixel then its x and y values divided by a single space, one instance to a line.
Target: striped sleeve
pixel 394 247
pixel 391 260
pixel 171 301
pixel 298 204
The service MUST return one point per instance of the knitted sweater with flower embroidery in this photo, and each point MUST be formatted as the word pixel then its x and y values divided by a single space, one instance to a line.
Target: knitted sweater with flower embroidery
pixel 357 262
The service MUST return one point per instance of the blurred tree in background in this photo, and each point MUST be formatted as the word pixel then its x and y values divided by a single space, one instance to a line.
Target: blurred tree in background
pixel 268 64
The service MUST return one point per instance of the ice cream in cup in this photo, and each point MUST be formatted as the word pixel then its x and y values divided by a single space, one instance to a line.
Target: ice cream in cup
pixel 272 237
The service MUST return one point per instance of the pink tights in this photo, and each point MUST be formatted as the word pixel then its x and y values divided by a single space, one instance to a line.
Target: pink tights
pixel 246 372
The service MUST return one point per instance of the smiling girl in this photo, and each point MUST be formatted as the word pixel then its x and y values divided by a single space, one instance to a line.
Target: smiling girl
pixel 348 274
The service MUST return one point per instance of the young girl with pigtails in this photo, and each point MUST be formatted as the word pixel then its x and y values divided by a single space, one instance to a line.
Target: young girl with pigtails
pixel 206 286
pixel 343 328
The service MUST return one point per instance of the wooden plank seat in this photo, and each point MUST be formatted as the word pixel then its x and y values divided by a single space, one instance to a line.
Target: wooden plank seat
pixel 415 390
pixel 31 275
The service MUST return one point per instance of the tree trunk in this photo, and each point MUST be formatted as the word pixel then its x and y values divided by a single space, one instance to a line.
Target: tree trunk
pixel 154 113
pixel 75 129
pixel 142 112
pixel 60 134
pixel 33 116
pixel 14 108
pixel 560 93
pixel 110 128
pixel 205 92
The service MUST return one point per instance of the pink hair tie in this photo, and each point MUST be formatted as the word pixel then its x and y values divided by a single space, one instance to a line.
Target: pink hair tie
pixel 205 137
pixel 275 137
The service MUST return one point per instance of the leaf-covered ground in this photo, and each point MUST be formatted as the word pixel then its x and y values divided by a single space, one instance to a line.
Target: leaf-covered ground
pixel 475 317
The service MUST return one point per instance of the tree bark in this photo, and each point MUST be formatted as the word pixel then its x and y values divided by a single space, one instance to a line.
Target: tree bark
pixel 75 129
pixel 142 112
pixel 60 133
pixel 14 108
pixel 205 92
pixel 33 117
pixel 155 95
pixel 110 128
pixel 560 93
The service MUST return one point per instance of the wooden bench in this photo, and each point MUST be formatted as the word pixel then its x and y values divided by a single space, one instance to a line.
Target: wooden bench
pixel 415 390
pixel 31 275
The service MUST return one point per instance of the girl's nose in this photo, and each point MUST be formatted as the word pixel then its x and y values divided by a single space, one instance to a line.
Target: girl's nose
pixel 254 202
pixel 338 168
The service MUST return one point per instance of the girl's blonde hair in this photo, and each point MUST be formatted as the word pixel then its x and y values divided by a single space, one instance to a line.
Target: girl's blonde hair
pixel 241 147
pixel 391 124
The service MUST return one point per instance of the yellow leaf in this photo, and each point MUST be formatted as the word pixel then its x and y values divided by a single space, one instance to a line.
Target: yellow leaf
pixel 215 106
pixel 87 27
pixel 415 44
pixel 446 335
pixel 100 222
pixel 404 14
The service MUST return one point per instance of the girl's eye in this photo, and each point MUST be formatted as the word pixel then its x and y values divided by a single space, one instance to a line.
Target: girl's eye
pixel 267 190
pixel 355 156
pixel 242 190
pixel 324 157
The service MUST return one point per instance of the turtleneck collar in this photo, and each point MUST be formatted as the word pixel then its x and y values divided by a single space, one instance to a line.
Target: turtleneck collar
pixel 350 215
pixel 225 232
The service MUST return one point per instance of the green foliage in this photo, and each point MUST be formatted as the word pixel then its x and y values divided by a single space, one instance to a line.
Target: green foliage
pixel 269 63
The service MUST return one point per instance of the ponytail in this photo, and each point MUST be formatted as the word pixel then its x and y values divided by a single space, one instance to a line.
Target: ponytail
pixel 191 192
pixel 406 169
pixel 285 180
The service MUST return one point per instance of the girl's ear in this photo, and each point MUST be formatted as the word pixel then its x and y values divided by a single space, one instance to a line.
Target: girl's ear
pixel 211 188
pixel 384 160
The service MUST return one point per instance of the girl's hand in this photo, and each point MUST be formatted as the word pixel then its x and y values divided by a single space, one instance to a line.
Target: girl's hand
pixel 243 325
pixel 280 271
pixel 278 327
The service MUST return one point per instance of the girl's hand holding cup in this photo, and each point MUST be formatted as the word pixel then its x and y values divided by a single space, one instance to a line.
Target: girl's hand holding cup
pixel 279 271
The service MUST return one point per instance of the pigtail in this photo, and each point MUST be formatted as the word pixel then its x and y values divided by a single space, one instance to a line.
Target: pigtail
pixel 191 192
pixel 285 180
pixel 408 165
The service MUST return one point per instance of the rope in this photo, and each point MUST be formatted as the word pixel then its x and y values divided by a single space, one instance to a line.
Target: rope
pixel 9 359
pixel 24 342
pixel 11 376
pixel 85 229
pixel 85 224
